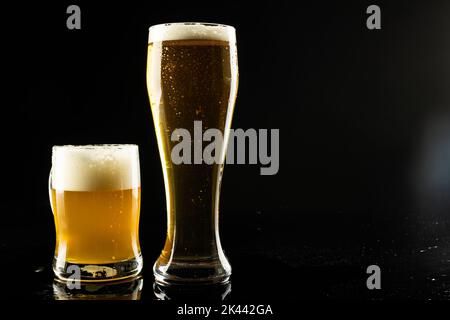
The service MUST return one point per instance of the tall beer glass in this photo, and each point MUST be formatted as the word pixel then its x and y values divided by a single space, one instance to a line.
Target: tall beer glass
pixel 95 195
pixel 192 75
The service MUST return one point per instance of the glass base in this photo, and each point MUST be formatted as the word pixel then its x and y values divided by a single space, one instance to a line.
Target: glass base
pixel 192 272
pixel 67 271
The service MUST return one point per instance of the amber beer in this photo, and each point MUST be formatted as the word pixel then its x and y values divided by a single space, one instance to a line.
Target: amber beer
pixel 192 75
pixel 95 197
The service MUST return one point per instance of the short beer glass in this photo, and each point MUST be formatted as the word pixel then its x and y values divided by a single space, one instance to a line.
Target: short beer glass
pixel 95 193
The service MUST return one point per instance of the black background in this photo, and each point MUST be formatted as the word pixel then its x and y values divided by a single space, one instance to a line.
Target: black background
pixel 364 119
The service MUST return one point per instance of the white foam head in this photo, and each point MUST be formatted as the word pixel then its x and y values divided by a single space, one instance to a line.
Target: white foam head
pixel 191 31
pixel 95 167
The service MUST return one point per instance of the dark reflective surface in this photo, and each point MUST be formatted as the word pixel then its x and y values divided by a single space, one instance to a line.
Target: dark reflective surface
pixel 413 254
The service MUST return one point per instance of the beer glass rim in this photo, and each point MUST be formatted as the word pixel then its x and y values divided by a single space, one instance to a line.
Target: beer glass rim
pixel 109 146
pixel 191 31
pixel 206 24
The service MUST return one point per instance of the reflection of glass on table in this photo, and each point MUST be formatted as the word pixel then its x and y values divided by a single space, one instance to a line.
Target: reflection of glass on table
pixel 217 292
pixel 128 289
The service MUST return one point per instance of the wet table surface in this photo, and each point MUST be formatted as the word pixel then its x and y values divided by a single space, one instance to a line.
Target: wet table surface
pixel 272 260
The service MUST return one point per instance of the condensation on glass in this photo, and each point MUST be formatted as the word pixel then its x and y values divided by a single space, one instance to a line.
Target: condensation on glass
pixel 192 75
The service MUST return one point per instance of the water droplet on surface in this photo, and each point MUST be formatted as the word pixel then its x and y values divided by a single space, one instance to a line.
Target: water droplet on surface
pixel 39 269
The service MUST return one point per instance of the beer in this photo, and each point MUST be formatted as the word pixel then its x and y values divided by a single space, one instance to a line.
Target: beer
pixel 95 196
pixel 192 75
